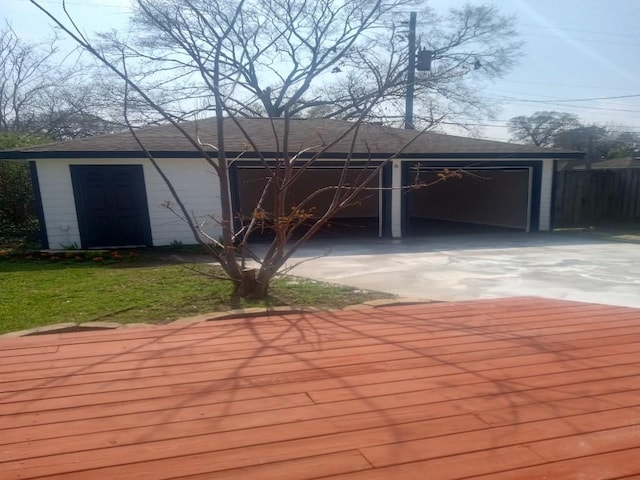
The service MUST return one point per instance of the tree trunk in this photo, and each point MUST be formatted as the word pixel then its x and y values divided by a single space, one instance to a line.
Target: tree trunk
pixel 252 286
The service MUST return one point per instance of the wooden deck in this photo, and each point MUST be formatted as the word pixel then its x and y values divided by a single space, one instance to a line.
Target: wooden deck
pixel 511 389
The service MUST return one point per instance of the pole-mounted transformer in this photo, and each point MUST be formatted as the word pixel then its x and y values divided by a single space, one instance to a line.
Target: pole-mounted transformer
pixel 425 57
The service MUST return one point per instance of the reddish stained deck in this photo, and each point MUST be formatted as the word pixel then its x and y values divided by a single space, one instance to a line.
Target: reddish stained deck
pixel 515 388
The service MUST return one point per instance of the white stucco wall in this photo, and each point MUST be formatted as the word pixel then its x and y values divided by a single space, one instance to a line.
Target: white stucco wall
pixel 194 180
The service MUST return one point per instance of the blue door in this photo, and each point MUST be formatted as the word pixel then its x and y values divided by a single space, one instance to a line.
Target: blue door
pixel 111 204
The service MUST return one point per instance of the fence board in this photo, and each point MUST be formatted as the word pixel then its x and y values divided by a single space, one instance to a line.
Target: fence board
pixel 584 198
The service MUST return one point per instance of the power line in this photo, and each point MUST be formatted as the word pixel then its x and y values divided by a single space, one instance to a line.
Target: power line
pixel 607 35
pixel 562 99
pixel 474 122
pixel 506 125
pixel 84 3
pixel 556 103
pixel 546 84
pixel 591 32
pixel 588 99
pixel 589 40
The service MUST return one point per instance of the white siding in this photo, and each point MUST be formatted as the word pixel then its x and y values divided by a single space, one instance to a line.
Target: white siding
pixel 546 194
pixel 58 204
pixel 194 180
pixel 197 185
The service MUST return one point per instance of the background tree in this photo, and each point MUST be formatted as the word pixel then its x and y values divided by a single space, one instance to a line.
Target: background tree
pixel 350 49
pixel 624 144
pixel 565 130
pixel 26 71
pixel 46 93
pixel 277 58
pixel 17 208
pixel 599 142
pixel 589 139
pixel 541 128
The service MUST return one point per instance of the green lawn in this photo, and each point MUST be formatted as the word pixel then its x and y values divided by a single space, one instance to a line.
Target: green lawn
pixel 38 292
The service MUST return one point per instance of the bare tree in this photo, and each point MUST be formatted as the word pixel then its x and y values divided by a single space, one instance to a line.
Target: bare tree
pixel 350 49
pixel 46 93
pixel 26 71
pixel 542 128
pixel 230 45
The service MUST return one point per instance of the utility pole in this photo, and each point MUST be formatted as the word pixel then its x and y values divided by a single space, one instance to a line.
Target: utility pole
pixel 423 64
pixel 411 74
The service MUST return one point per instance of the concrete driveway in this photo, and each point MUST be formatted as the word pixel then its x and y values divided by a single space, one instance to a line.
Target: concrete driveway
pixel 551 265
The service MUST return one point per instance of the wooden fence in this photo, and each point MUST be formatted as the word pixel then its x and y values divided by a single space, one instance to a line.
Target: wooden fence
pixel 584 198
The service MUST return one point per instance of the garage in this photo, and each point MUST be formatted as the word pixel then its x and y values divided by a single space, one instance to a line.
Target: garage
pixel 361 218
pixel 504 186
pixel 476 199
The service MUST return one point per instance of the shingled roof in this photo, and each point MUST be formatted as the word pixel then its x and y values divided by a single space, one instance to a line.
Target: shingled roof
pixel 304 134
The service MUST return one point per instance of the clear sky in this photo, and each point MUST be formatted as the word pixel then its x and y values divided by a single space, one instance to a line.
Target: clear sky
pixel 577 54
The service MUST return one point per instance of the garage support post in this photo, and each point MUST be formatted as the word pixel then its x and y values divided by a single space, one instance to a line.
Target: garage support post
pixel 396 199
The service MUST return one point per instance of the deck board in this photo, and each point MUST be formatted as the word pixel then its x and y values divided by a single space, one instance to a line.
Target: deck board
pixel 511 388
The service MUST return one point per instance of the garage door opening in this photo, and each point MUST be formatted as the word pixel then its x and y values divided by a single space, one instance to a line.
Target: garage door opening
pixel 361 219
pixel 482 200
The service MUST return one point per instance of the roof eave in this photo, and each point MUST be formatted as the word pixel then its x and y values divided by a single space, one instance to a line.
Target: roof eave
pixel 42 155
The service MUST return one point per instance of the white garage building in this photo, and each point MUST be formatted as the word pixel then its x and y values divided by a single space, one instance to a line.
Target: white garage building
pixel 103 191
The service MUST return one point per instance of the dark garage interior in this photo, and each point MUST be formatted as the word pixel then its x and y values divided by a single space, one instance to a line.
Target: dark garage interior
pixel 361 219
pixel 481 200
